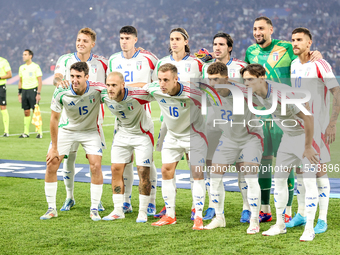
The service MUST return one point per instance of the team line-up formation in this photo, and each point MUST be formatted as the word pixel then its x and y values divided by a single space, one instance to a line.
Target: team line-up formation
pixel 132 78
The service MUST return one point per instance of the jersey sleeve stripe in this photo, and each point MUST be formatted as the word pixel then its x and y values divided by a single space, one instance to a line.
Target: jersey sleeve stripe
pixel 319 73
pixel 104 65
pixel 200 133
pixel 150 63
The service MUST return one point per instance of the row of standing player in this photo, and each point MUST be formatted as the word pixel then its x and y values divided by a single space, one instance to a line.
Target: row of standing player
pixel 187 68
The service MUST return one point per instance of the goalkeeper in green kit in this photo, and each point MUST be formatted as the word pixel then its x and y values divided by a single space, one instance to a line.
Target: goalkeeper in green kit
pixel 276 57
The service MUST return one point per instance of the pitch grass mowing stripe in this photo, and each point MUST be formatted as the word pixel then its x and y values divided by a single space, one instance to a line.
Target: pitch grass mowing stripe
pixel 23 202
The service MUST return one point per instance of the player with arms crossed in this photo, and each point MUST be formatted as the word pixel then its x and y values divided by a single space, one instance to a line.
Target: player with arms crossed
pixel 81 103
pixel 86 40
pixel 222 48
pixel 268 94
pixel 239 138
pixel 276 57
pixel 318 78
pixel 188 67
pixel 137 67
pixel 134 133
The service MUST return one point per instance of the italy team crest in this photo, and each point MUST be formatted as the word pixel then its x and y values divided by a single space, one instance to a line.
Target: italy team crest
pixel 275 56
pixel 232 73
pixel 94 69
pixel 139 65
pixel 187 67
pixel 92 99
pixel 307 71
pixel 129 106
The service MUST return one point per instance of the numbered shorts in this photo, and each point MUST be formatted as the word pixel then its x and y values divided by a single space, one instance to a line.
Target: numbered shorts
pixel 90 140
pixel 28 98
pixel 290 153
pixel 124 144
pixel 229 151
pixel 3 95
pixel 173 150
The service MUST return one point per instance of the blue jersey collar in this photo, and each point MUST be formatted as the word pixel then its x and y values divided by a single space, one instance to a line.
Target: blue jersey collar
pixel 86 90
pixel 78 59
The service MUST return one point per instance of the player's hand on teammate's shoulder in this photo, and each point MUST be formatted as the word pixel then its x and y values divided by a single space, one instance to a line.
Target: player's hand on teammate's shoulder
pixel 52 153
pixel 311 155
pixel 315 55
pixel 65 84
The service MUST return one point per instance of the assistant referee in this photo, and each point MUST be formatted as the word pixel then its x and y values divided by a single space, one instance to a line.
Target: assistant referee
pixel 30 84
pixel 5 73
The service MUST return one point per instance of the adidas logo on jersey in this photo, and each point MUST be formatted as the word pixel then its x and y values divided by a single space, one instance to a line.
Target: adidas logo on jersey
pixel 163 101
pixel 147 161
pixel 72 103
pixel 100 150
pixel 202 161
pixel 255 159
pixel 119 67
pixel 111 107
pixel 293 72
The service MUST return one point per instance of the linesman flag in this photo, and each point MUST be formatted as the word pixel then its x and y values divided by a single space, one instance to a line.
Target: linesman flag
pixel 36 119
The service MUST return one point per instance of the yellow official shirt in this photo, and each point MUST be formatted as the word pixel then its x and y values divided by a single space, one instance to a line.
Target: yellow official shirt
pixel 4 68
pixel 29 74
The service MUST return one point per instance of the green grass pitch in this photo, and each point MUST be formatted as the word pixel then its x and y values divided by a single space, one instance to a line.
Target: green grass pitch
pixel 23 202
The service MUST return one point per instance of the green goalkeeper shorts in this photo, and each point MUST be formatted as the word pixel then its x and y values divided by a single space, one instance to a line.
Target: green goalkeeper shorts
pixel 272 138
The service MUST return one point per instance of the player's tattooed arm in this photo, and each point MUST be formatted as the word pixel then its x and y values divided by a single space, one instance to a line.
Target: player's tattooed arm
pixel 58 77
pixel 331 128
pixel 117 190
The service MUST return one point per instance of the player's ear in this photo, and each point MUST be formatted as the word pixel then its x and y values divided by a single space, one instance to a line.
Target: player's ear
pixel 136 39
pixel 93 44
pixel 87 77
pixel 271 29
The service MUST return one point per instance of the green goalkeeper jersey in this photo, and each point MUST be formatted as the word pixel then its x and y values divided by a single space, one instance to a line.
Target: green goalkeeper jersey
pixel 276 59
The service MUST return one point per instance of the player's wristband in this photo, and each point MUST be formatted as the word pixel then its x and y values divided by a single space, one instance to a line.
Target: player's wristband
pixel 19 91
pixel 38 93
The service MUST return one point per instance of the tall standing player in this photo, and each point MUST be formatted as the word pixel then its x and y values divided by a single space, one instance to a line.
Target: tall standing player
pixel 276 57
pixel 222 48
pixel 189 67
pixel 81 103
pixel 318 78
pixel 30 85
pixel 136 66
pixel 5 73
pixel 86 40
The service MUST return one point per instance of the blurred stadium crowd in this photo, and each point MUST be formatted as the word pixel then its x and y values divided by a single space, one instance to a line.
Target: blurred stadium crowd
pixel 49 28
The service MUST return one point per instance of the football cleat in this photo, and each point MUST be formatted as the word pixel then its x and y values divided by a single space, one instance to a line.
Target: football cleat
pixel 275 230
pixel 287 218
pixel 51 212
pixel 142 217
pixel 298 220
pixel 161 213
pixel 198 223
pixel 39 136
pixel 94 214
pixel 217 222
pixel 68 204
pixel 265 217
pixel 5 135
pixel 320 227
pixel 308 235
pixel 209 214
pixel 151 209
pixel 100 207
pixel 193 212
pixel 127 208
pixel 165 220
pixel 245 216
pixel 114 215
pixel 254 227
pixel 24 136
